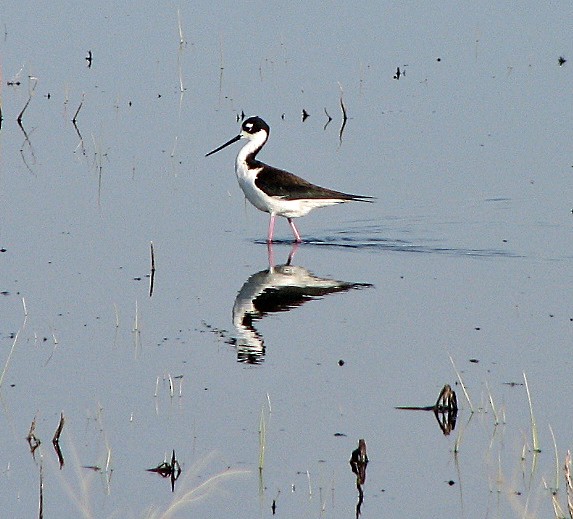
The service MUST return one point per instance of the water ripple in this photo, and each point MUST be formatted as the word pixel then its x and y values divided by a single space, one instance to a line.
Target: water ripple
pixel 376 238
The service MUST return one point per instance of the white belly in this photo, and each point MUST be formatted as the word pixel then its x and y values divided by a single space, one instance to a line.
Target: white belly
pixel 273 204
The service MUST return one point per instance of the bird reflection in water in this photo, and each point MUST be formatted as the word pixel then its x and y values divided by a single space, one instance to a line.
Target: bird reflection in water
pixel 279 288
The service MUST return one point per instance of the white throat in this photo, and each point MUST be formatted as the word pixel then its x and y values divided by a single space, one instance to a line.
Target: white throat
pixel 252 147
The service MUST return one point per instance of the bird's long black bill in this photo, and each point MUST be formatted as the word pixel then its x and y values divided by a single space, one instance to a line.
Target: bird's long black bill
pixel 234 139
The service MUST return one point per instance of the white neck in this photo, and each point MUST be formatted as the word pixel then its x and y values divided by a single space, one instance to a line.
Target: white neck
pixel 253 146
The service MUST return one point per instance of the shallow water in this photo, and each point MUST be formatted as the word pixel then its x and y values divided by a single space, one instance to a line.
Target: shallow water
pixel 466 255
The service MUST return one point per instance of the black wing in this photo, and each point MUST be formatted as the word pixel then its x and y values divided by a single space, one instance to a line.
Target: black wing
pixel 280 183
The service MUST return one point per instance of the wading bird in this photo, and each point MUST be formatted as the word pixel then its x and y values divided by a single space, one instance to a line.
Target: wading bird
pixel 273 190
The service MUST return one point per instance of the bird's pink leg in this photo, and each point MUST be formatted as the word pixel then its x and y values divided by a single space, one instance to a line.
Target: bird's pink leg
pixel 270 255
pixel 297 238
pixel 271 229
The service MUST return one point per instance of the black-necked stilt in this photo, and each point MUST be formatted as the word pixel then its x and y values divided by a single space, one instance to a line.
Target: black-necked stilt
pixel 273 190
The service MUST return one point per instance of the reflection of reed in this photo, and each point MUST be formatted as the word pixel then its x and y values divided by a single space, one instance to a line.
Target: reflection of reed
pixel 75 120
pixel 279 288
pixel 56 441
pixel 33 83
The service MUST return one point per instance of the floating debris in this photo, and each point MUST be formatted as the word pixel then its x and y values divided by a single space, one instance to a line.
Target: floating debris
pixel 170 470
pixel 445 409
pixel 32 440
pixel 359 461
pixel 95 468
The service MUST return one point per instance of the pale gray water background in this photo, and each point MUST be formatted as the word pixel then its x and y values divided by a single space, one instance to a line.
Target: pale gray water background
pixel 468 247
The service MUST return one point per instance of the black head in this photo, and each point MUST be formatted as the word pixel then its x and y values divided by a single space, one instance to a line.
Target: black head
pixel 253 128
pixel 254 125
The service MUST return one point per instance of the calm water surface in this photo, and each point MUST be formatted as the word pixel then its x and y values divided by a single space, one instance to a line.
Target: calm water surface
pixel 466 254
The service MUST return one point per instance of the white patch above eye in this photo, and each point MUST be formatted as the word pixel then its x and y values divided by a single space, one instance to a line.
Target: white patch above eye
pixel 249 126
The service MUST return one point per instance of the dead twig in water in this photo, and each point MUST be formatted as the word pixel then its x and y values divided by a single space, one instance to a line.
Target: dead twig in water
pixel 329 119
pixel 56 440
pixel 41 503
pixel 152 277
pixel 74 120
pixel 32 440
pixel 358 463
pixel 168 470
pixel 445 409
pixel 19 120
pixel 344 117
pixel 31 92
